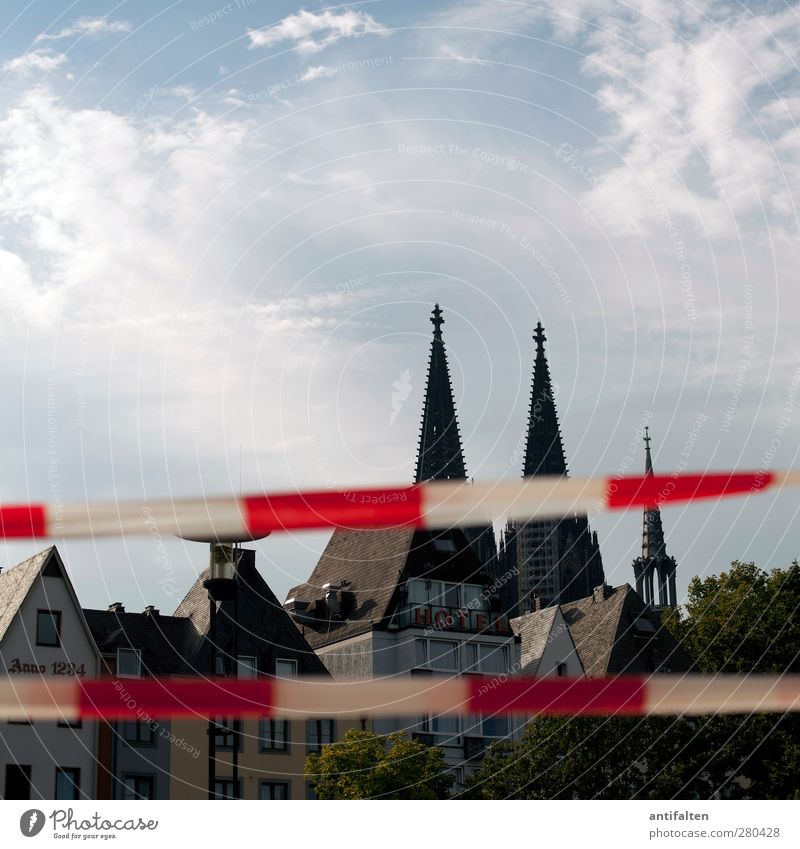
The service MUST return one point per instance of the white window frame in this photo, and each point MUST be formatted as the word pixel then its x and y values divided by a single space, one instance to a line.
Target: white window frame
pixel 129 651
pixel 247 666
pixel 291 662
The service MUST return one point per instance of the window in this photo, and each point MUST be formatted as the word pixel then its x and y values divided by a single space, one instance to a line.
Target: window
pixel 561 670
pixel 247 667
pixel 48 628
pixel 68 782
pixel 421 652
pixel 274 735
pixel 140 733
pixel 224 788
pixel 129 663
pixel 319 733
pixel 18 781
pixel 274 790
pixel 227 729
pixel 285 668
pixel 487 658
pixel 138 787
pixel 444 655
pixel 473 597
pixel 450 598
pixel 495 726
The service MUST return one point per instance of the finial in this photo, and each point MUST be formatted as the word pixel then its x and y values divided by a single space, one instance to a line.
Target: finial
pixel 647 437
pixel 540 338
pixel 437 321
pixel 648 462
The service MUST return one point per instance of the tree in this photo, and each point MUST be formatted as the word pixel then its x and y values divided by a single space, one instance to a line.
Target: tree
pixel 372 766
pixel 744 620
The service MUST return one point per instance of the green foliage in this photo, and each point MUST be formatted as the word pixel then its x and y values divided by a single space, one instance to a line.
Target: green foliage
pixel 370 766
pixel 744 620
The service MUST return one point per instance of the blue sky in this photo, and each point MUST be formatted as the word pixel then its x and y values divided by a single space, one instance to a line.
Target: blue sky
pixel 224 226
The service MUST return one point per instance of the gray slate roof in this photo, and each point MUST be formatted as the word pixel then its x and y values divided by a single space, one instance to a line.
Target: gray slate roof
pixel 15 584
pixel 533 628
pixel 611 641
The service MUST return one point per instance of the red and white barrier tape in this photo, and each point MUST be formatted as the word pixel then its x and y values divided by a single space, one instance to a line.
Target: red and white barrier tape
pixel 436 504
pixel 110 698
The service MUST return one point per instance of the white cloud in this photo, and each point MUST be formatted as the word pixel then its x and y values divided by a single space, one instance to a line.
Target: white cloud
pixel 327 27
pixel 89 27
pixel 36 60
pixel 315 72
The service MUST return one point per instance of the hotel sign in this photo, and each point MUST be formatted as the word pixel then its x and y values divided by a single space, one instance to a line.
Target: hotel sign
pixel 460 619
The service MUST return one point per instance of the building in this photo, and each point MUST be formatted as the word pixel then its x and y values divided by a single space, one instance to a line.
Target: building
pixel 655 569
pixel 555 560
pixel 546 647
pixel 170 759
pixel 616 633
pixel 384 603
pixel 43 633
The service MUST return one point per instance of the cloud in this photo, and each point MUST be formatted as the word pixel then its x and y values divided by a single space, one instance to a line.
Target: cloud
pixel 327 26
pixel 91 27
pixel 36 60
pixel 315 72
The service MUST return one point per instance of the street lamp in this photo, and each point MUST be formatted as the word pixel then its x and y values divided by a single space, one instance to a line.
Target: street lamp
pixel 222 586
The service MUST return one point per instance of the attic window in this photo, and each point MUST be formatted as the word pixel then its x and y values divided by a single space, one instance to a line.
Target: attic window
pixel 444 544
pixel 644 627
pixel 48 628
pixel 129 663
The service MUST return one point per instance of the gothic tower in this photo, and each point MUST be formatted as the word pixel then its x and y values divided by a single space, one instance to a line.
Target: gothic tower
pixel 556 560
pixel 655 568
pixel 440 455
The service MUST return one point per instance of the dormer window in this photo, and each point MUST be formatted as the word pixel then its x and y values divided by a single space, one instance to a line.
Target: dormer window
pixel 129 663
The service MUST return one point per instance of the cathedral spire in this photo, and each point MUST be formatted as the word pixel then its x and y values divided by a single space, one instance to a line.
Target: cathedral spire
pixel 655 569
pixel 544 451
pixel 440 454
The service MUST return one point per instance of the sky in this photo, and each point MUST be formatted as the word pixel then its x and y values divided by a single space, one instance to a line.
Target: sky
pixel 223 227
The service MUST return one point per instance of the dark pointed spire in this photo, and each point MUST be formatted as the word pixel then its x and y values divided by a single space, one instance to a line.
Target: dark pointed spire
pixel 653 544
pixel 440 454
pixel 544 451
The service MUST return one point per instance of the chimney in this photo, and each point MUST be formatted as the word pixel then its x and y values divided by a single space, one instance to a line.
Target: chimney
pixel 116 607
pixel 537 602
pixel 601 593
pixel 332 597
pixel 150 610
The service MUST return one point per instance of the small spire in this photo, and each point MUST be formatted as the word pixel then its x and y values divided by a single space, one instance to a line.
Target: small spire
pixel 648 461
pixel 437 321
pixel 540 338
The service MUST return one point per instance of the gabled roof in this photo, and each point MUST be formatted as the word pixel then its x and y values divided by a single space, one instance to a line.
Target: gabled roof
pixel 266 630
pixel 616 633
pixel 534 629
pixel 372 561
pixel 16 583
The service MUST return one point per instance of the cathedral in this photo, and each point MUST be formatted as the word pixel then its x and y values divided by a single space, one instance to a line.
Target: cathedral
pixel 554 560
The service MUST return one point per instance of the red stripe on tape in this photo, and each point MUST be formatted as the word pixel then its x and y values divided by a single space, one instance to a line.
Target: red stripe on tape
pixel 592 696
pixel 362 508
pixel 23 521
pixel 112 698
pixel 655 490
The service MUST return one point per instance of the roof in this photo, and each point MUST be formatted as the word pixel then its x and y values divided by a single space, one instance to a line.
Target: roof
pixel 616 633
pixel 162 640
pixel 372 561
pixel 15 584
pixel 534 629
pixel 266 631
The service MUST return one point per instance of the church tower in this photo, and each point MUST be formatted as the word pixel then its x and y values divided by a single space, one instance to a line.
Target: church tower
pixel 556 560
pixel 440 455
pixel 655 569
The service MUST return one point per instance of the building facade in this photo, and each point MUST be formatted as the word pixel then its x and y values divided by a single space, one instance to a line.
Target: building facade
pixel 44 634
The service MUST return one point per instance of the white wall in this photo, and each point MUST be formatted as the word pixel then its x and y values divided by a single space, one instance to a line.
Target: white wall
pixel 44 745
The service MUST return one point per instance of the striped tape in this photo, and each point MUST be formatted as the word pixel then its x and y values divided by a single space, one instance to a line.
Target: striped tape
pixel 436 504
pixel 111 699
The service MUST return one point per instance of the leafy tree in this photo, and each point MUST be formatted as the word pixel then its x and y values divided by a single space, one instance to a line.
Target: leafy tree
pixel 744 620
pixel 371 766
